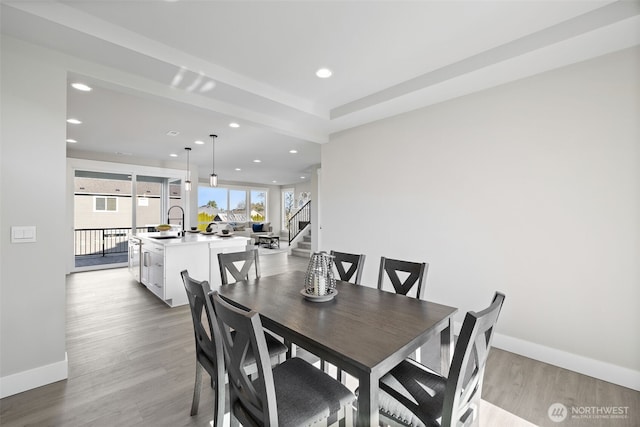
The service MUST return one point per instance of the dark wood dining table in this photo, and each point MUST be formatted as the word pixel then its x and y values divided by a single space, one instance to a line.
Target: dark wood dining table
pixel 364 331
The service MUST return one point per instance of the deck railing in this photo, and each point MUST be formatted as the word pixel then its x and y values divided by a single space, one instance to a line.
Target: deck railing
pixel 102 241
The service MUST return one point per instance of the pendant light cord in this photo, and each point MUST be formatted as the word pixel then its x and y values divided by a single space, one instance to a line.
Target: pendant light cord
pixel 213 153
pixel 213 178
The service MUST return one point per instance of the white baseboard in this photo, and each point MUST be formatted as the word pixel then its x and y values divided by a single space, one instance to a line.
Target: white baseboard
pixel 583 365
pixel 33 378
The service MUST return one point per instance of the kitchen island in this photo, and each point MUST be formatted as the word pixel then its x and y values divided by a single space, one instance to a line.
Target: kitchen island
pixel 163 257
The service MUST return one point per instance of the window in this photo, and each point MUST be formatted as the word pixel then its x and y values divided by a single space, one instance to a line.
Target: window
pixel 230 205
pixel 105 204
pixel 258 205
pixel 288 206
pixel 238 205
pixel 211 202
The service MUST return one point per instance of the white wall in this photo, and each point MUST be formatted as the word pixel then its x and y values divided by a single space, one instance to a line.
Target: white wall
pixel 531 188
pixel 33 130
pixel 32 285
pixel 305 186
pixel 274 208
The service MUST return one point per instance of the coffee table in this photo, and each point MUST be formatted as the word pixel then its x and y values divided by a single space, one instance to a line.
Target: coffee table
pixel 270 242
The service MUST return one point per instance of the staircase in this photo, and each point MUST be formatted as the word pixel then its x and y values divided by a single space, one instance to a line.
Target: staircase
pixel 303 247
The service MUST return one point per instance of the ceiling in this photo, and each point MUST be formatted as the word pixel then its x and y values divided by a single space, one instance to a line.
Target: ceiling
pixel 196 66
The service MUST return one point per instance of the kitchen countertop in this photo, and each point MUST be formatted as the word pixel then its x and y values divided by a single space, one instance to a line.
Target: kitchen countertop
pixel 189 239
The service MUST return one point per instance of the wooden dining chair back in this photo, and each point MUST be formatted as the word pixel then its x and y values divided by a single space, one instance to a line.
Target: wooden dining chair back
pixel 209 353
pixel 247 260
pixel 413 392
pixel 415 271
pixel 348 266
pixel 293 393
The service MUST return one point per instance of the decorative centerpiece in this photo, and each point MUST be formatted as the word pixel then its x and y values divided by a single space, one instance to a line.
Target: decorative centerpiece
pixel 163 229
pixel 319 283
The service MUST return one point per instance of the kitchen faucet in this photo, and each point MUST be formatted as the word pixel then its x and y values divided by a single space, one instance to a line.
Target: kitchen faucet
pixel 182 219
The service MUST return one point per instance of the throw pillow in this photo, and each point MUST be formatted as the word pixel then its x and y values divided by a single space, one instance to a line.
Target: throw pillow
pixel 257 228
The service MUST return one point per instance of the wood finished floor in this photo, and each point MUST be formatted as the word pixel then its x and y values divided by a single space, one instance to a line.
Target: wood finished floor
pixel 131 363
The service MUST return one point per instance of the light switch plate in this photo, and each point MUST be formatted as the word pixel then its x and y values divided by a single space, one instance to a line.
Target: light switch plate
pixel 23 234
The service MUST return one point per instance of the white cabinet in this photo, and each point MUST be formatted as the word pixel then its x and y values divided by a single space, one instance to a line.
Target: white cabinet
pixel 134 258
pixel 163 261
pixel 156 274
pixel 152 274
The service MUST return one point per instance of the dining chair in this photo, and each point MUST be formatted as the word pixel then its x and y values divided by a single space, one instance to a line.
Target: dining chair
pixel 413 395
pixel 227 263
pixel 293 393
pixel 348 265
pixel 209 354
pixel 416 271
pixel 249 258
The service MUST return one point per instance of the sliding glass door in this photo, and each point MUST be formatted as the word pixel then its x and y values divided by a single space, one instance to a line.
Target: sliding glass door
pixel 110 202
pixel 102 218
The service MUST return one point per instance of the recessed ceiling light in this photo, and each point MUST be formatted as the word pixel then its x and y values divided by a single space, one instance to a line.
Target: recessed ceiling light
pixel 324 73
pixel 238 169
pixel 198 142
pixel 173 133
pixel 293 151
pixel 274 181
pixel 257 161
pixel 173 155
pixel 234 125
pixel 72 141
pixel 74 121
pixel 302 177
pixel 81 86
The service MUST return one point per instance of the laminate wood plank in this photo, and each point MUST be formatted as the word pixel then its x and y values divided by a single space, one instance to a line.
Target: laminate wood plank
pixel 527 387
pixel 132 363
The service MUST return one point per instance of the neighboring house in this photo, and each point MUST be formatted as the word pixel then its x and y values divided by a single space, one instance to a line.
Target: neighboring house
pixel 106 203
pixel 207 214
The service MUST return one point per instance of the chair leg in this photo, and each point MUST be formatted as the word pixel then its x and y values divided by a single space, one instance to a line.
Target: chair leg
pixel 345 413
pixel 348 416
pixel 219 397
pixel 291 349
pixel 196 389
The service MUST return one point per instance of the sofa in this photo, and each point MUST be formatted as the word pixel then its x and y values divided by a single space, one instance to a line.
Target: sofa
pixel 249 229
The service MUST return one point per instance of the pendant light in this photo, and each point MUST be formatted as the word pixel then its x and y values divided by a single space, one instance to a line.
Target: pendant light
pixel 187 182
pixel 213 178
